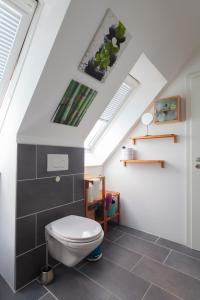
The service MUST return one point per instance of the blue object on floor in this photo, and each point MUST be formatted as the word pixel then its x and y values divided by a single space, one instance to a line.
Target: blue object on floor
pixel 112 210
pixel 96 254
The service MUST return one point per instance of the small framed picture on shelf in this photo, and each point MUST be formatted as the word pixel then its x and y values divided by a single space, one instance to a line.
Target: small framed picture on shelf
pixel 167 110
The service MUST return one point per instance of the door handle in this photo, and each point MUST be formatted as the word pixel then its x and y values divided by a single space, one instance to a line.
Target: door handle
pixel 197 166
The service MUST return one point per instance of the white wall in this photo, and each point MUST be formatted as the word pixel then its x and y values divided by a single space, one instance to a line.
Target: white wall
pixel 95 170
pixel 26 76
pixel 154 199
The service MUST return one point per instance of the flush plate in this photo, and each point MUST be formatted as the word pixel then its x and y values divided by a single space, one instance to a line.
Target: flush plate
pixel 57 162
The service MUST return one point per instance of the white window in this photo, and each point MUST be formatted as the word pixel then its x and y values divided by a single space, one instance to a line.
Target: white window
pixel 15 19
pixel 111 110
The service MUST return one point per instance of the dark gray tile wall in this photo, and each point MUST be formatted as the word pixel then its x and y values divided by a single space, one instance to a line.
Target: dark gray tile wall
pixel 41 200
pixel 26 234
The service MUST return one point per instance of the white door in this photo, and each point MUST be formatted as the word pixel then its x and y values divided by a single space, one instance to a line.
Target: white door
pixel 194 161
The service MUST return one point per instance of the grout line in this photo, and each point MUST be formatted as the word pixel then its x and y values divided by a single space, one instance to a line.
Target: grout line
pixel 182 272
pixel 119 237
pixel 54 296
pixel 148 281
pixel 73 188
pixel 49 177
pixel 155 242
pixel 44 210
pixel 21 254
pixel 111 261
pixel 147 291
pixel 57 265
pixel 35 230
pixel 156 261
pixel 171 267
pixel 151 242
pixel 180 252
pixel 83 265
pixel 154 284
pixel 161 288
pixel 136 252
pixel 164 261
pixel 137 263
pixel 97 283
pixel 43 296
pixel 24 286
pixel 36 158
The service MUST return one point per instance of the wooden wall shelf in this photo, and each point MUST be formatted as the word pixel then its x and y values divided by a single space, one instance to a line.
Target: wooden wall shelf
pixel 160 136
pixel 142 161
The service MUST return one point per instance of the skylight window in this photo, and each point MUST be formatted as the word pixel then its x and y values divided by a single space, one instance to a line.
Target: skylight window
pixel 110 112
pixel 15 18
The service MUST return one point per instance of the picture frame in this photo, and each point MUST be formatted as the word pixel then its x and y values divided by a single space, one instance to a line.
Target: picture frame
pixel 74 104
pixel 167 110
pixel 107 45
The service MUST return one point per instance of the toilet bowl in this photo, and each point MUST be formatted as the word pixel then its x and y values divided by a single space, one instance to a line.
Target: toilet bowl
pixel 72 238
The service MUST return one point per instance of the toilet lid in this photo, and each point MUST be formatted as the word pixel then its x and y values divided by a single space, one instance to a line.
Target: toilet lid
pixel 77 229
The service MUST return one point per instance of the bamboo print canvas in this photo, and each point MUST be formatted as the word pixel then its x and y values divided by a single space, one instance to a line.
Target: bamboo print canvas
pixel 74 104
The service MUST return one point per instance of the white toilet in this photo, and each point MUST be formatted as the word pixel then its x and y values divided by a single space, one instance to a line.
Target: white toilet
pixel 72 238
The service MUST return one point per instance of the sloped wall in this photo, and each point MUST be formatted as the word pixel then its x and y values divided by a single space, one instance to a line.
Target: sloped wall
pixel 158 29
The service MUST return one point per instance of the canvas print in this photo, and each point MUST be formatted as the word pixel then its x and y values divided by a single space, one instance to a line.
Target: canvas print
pixel 167 110
pixel 107 45
pixel 74 104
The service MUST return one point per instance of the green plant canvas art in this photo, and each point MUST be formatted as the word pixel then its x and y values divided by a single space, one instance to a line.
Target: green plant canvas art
pixel 74 104
pixel 107 45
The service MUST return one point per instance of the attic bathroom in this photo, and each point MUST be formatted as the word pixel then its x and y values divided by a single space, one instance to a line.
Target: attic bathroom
pixel 100 150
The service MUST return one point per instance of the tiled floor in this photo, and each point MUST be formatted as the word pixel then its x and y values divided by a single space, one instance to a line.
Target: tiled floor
pixel 135 266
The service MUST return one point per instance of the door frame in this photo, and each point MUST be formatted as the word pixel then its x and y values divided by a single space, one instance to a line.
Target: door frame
pixel 189 162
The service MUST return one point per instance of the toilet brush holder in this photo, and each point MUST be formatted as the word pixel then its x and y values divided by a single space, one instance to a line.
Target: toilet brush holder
pixel 46 275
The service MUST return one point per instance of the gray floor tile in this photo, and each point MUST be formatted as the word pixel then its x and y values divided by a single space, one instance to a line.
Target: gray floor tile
pixel 117 280
pixel 113 234
pixel 123 257
pixel 48 297
pixel 33 291
pixel 138 233
pixel 69 284
pixel 81 264
pixel 184 263
pixel 143 247
pixel 179 247
pixel 171 280
pixel 156 293
pixel 112 297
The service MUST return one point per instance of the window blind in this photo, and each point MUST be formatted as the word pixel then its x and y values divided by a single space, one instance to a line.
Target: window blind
pixel 9 25
pixel 110 112
pixel 116 102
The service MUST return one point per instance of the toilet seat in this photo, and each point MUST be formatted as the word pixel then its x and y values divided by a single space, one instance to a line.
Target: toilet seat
pixel 75 229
